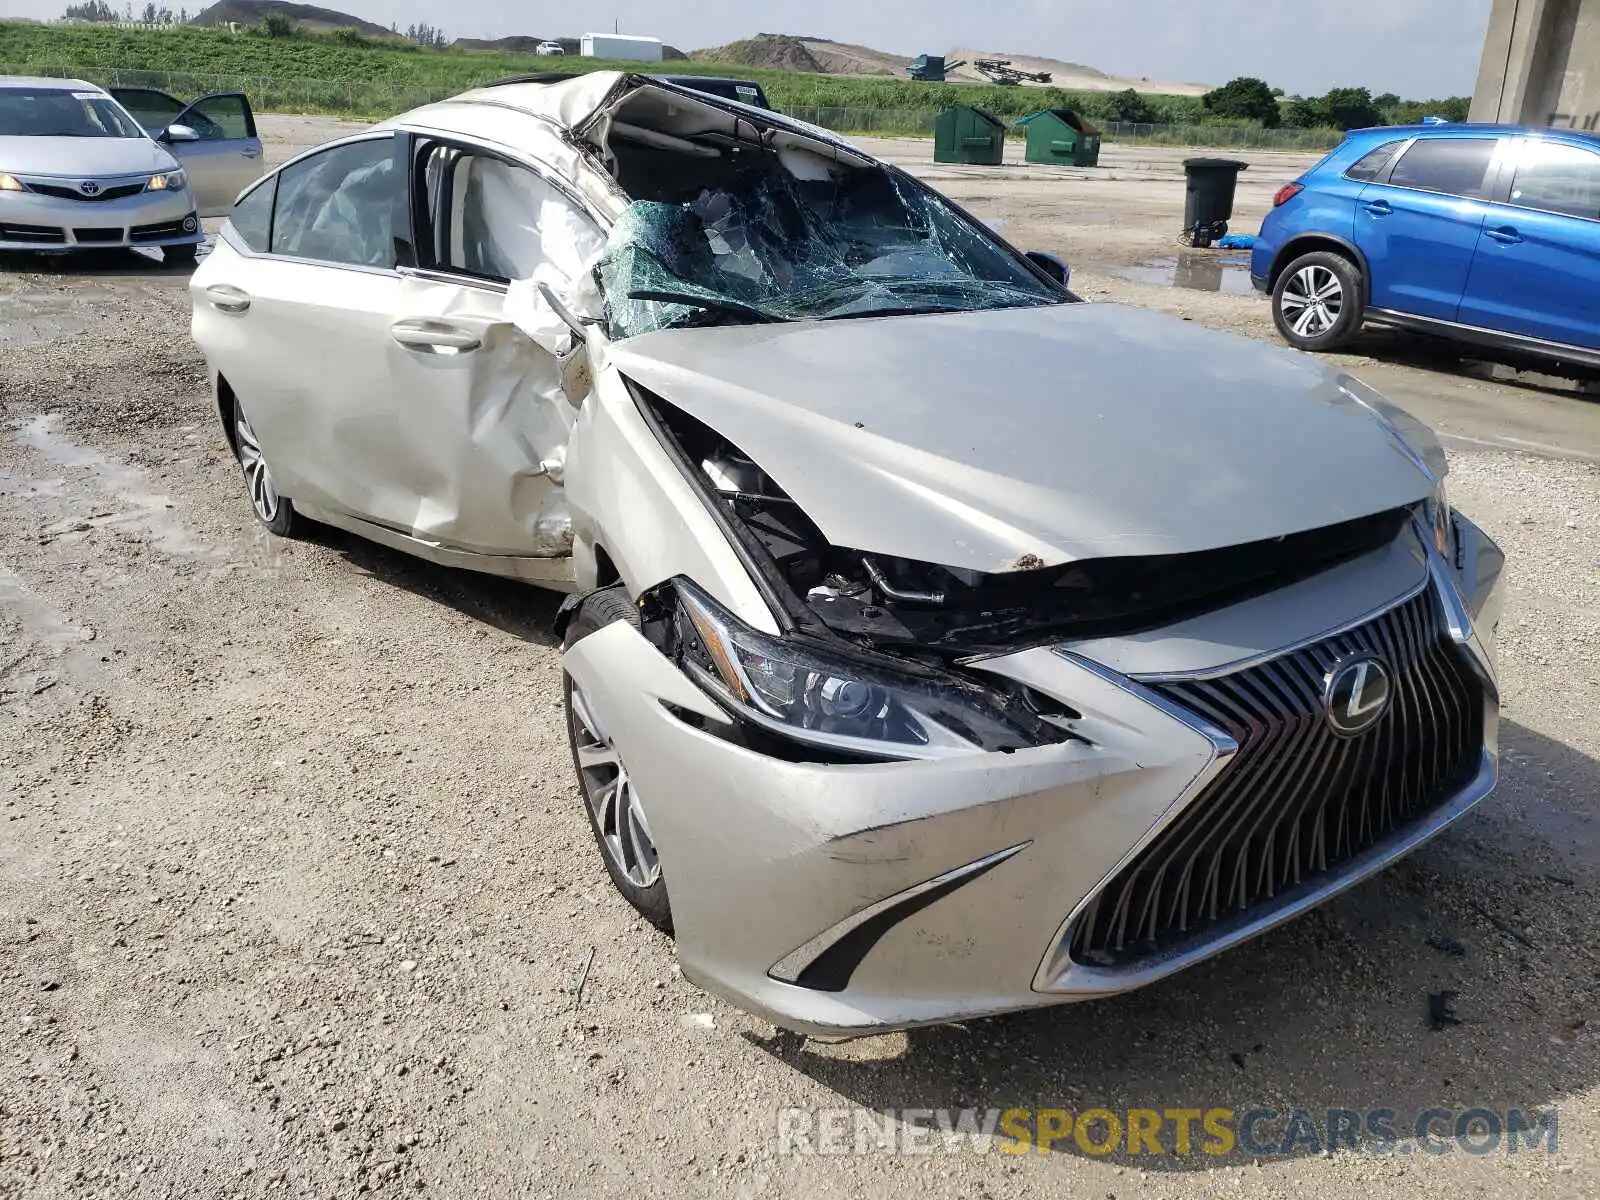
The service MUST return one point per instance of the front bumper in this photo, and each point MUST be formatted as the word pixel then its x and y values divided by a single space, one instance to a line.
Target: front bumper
pixel 840 901
pixel 33 222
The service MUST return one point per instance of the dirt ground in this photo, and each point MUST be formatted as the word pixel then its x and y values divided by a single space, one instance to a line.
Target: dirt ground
pixel 296 892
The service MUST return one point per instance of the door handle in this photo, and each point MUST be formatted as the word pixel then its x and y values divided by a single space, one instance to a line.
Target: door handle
pixel 435 337
pixel 226 298
pixel 1505 235
pixel 250 153
pixel 1379 208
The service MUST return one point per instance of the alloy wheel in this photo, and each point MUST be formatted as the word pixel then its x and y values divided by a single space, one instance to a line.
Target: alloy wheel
pixel 1312 301
pixel 611 798
pixel 258 478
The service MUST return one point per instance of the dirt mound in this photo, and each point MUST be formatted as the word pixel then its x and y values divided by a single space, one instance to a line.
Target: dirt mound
pixel 1067 75
pixel 841 58
pixel 776 52
pixel 307 16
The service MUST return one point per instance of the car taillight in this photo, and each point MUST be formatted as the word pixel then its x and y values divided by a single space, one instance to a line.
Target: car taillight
pixel 1287 193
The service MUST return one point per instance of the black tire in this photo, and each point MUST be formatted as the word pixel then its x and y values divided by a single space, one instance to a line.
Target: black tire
pixel 620 830
pixel 1319 301
pixel 275 512
pixel 180 256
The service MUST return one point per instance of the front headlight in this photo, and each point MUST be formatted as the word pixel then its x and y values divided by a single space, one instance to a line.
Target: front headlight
pixel 800 693
pixel 10 183
pixel 1441 522
pixel 167 181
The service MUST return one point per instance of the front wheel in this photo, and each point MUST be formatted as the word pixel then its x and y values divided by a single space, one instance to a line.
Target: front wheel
pixel 615 808
pixel 180 256
pixel 1319 301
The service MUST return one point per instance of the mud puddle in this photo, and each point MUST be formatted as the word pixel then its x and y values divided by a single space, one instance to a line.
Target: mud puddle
pixel 1227 273
pixel 127 502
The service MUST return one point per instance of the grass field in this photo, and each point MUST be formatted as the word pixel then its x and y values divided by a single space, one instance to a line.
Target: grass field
pixel 361 78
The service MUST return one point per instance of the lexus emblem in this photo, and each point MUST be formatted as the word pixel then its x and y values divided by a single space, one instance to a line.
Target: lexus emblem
pixel 89 187
pixel 1356 695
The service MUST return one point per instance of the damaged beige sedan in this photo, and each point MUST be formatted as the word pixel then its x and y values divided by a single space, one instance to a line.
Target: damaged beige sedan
pixel 938 644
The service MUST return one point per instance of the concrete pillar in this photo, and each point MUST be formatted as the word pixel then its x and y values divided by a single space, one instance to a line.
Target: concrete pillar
pixel 1541 64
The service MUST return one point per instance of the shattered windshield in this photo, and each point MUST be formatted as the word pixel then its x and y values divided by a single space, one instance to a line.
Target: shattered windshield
pixel 774 247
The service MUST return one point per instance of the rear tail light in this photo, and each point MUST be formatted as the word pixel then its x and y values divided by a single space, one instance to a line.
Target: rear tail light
pixel 1287 193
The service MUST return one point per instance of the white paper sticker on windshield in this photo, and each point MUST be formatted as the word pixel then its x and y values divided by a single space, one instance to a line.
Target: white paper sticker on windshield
pixel 88 95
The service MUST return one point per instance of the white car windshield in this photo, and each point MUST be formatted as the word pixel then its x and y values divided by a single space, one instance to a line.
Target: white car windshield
pixel 766 246
pixel 59 112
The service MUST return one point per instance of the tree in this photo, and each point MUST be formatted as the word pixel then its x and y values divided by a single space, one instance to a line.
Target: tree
pixel 1247 98
pixel 1128 105
pixel 427 35
pixel 277 25
pixel 1351 108
pixel 148 17
pixel 1306 114
pixel 1386 100
pixel 91 10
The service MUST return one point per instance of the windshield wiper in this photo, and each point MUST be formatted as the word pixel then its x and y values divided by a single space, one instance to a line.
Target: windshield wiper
pixel 708 303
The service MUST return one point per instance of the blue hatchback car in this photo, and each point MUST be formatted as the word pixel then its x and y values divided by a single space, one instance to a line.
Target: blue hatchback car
pixel 1486 234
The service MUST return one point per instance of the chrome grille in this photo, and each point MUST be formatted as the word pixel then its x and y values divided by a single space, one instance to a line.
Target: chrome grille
pixel 111 191
pixel 1297 800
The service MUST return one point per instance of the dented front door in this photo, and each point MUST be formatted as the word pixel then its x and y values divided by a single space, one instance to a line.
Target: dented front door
pixel 482 419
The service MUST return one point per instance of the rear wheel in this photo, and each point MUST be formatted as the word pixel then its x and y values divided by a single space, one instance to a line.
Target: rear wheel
pixel 616 810
pixel 1319 302
pixel 272 510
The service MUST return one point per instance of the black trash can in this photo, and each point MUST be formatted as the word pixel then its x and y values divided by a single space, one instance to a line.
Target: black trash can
pixel 1208 204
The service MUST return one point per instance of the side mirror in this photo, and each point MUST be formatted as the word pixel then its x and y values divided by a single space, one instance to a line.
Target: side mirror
pixel 1051 266
pixel 178 133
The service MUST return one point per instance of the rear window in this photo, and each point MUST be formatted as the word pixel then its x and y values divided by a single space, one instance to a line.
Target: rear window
pixel 1375 162
pixel 1455 166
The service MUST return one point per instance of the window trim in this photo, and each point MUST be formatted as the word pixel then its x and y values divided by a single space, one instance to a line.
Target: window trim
pixel 1382 177
pixel 423 142
pixel 236 239
pixel 1515 165
pixel 237 243
pixel 1492 175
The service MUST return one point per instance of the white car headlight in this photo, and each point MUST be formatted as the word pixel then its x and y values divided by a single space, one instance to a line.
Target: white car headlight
pixel 10 183
pixel 167 181
pixel 1441 522
pixel 804 694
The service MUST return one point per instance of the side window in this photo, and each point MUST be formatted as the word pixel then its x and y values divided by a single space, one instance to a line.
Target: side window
pixel 1559 179
pixel 499 221
pixel 1375 162
pixel 338 206
pixel 251 217
pixel 152 109
pixel 220 118
pixel 1455 166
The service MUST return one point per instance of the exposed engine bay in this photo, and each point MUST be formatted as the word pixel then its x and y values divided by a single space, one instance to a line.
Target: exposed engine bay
pixel 937 612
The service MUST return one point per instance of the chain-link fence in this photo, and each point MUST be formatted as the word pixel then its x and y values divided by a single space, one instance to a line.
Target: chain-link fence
pixel 376 99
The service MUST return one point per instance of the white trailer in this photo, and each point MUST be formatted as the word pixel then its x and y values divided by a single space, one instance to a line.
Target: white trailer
pixel 619 45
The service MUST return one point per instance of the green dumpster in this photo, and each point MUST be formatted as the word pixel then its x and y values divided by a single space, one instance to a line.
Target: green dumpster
pixel 969 135
pixel 1063 137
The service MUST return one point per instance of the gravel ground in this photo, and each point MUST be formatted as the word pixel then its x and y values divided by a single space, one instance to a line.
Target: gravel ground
pixel 296 891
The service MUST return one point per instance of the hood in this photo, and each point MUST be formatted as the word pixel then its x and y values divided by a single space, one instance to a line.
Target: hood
pixel 83 157
pixel 1068 432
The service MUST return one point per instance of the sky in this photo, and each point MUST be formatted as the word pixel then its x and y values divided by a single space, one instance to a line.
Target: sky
pixel 1421 49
